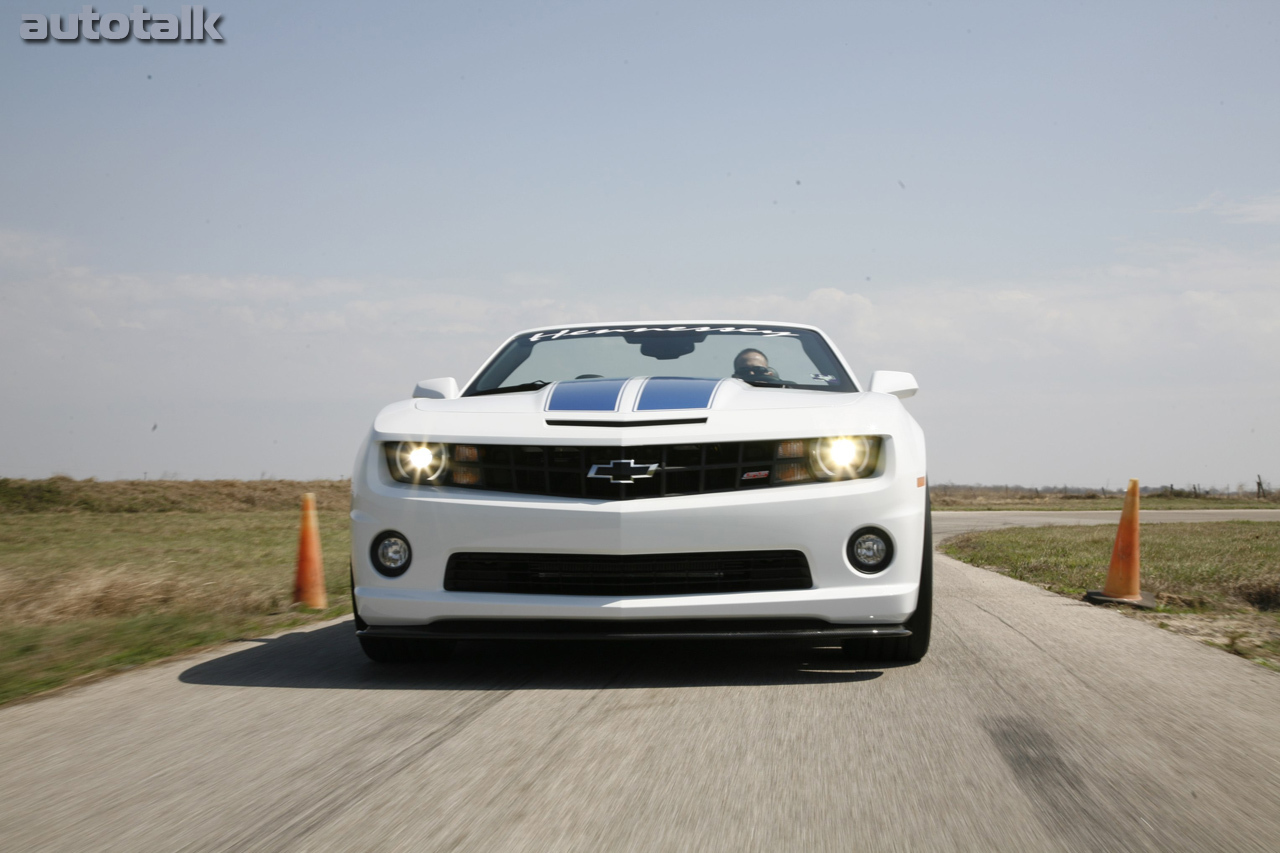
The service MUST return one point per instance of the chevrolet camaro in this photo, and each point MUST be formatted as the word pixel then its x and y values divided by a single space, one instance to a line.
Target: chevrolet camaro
pixel 646 480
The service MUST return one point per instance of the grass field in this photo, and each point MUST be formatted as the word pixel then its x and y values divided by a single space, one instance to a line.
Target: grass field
pixel 65 495
pixel 1219 581
pixel 948 496
pixel 91 592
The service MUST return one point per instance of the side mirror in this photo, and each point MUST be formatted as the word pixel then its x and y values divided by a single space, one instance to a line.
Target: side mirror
pixel 895 382
pixel 437 389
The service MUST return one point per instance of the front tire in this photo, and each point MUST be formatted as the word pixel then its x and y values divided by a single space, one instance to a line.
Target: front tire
pixel 913 648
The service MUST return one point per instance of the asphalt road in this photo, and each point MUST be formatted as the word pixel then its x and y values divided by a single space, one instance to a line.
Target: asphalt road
pixel 1036 723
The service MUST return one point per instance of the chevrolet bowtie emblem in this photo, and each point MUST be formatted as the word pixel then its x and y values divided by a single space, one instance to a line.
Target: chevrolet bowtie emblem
pixel 623 471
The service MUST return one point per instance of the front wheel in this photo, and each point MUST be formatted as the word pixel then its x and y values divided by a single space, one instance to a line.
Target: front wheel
pixel 406 649
pixel 913 648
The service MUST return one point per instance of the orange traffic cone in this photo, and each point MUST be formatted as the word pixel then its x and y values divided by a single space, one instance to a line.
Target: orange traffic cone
pixel 308 588
pixel 1122 585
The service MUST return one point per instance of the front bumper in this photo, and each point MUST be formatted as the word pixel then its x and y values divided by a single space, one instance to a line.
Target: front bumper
pixel 816 519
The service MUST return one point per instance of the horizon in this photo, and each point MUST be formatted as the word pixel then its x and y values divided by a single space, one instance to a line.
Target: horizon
pixel 1242 488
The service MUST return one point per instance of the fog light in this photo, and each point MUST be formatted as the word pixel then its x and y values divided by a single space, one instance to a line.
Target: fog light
pixel 870 550
pixel 390 553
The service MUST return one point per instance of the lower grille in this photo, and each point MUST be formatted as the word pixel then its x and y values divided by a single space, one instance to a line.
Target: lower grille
pixel 638 574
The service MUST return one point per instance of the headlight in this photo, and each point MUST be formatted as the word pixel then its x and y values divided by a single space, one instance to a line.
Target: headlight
pixel 415 461
pixel 845 457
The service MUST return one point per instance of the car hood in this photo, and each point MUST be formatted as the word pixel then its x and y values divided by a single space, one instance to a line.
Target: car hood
pixel 640 410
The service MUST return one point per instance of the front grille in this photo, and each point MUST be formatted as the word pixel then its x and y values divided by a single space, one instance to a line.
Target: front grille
pixel 682 469
pixel 639 574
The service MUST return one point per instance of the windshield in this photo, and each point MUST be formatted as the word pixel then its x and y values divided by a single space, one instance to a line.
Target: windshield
pixel 777 356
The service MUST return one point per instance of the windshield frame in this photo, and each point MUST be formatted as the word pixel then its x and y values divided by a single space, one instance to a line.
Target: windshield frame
pixel 764 330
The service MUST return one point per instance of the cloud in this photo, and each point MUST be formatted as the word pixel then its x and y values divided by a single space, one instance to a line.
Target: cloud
pixel 235 364
pixel 1179 303
pixel 1263 210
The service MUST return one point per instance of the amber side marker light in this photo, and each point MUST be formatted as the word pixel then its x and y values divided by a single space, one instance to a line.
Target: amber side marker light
pixel 792 472
pixel 793 449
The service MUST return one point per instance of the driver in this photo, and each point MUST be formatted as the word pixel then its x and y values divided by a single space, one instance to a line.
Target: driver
pixel 753 364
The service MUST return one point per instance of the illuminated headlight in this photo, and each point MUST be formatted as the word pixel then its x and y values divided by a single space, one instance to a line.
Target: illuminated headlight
pixel 415 461
pixel 845 457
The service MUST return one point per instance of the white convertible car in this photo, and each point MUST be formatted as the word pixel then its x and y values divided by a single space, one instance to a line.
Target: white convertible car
pixel 642 480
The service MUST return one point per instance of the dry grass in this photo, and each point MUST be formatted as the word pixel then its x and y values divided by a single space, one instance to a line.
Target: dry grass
pixel 1217 580
pixel 124 591
pixel 1252 635
pixel 82 592
pixel 951 496
pixel 63 494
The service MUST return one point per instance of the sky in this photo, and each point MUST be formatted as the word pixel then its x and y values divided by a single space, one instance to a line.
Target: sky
pixel 221 259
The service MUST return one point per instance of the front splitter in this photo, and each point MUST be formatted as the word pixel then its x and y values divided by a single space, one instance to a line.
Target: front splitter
pixel 610 629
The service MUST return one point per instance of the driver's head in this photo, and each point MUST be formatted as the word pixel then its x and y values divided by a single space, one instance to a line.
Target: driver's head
pixel 747 359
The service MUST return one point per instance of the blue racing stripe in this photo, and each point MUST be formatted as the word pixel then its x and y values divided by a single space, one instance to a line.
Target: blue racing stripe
pixel 671 392
pixel 586 395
